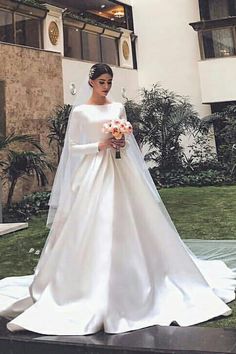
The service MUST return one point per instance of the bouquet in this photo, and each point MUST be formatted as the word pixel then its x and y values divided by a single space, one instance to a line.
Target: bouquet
pixel 117 127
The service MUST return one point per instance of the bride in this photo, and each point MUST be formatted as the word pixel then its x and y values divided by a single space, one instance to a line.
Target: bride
pixel 113 259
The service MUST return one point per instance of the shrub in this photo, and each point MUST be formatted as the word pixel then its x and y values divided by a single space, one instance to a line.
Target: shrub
pixel 161 118
pixel 184 177
pixel 31 204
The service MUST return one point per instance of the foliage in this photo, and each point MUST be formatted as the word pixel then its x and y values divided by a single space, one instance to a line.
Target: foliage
pixel 133 111
pixel 163 117
pixel 31 204
pixel 88 18
pixel 226 134
pixel 34 3
pixel 18 164
pixel 57 126
pixel 200 168
pixel 14 138
pixel 182 177
pixel 23 163
pixel 201 154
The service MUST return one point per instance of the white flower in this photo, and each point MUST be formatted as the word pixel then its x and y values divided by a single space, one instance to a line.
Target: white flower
pixel 37 252
pixel 31 250
pixel 91 72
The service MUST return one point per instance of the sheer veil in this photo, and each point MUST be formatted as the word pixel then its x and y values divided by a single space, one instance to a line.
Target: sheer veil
pixel 61 188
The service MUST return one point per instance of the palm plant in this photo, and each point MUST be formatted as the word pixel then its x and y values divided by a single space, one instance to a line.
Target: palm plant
pixel 57 126
pixel 17 164
pixel 164 117
pixel 24 163
pixel 225 131
pixel 12 138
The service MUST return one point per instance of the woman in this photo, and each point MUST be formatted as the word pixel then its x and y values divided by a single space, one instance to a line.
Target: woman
pixel 113 259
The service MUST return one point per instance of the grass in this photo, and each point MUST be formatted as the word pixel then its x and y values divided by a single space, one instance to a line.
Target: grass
pixel 206 213
pixel 15 258
pixel 203 213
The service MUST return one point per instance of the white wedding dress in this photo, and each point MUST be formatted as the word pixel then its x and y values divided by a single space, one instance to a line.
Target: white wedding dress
pixel 116 262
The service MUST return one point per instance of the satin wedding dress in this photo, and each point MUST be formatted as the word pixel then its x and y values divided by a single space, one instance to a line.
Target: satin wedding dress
pixel 116 261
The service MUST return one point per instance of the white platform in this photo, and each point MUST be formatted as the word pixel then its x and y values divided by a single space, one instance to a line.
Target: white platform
pixel 6 228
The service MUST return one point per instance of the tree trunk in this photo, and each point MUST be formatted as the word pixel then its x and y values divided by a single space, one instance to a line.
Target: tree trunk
pixel 0 200
pixel 11 191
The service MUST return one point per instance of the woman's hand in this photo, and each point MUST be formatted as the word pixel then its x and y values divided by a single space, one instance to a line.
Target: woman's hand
pixel 118 143
pixel 103 145
pixel 112 142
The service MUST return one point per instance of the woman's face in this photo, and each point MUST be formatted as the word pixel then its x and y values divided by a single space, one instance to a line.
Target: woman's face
pixel 102 84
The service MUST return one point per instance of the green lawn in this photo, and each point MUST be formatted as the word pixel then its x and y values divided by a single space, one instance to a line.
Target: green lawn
pixel 15 258
pixel 204 213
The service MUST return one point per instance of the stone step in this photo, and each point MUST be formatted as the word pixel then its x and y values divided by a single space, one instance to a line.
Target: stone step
pixel 153 339
pixel 6 228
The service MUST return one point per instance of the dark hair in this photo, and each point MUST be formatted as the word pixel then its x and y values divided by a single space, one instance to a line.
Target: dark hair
pixel 98 69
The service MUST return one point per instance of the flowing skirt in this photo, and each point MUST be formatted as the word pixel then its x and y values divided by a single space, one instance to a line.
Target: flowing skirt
pixel 116 262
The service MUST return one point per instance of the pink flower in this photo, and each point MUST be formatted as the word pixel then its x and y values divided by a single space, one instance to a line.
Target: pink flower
pixel 118 127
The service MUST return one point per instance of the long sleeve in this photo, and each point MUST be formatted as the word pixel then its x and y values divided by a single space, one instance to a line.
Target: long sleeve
pixel 76 136
pixel 90 148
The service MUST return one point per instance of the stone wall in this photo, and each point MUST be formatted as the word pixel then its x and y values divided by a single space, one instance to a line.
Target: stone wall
pixel 33 88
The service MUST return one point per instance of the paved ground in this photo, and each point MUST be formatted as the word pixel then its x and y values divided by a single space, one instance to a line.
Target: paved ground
pixel 6 228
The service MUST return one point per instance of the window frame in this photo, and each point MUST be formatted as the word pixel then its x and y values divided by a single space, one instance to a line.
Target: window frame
pixel 40 24
pixel 201 41
pixel 116 48
pixel 215 24
pixel 12 17
pixel 18 11
pixel 99 43
pixel 80 34
pixel 205 10
pixel 100 32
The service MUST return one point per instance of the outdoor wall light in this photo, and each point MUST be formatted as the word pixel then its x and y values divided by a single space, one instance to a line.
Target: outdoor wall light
pixel 73 89
pixel 123 92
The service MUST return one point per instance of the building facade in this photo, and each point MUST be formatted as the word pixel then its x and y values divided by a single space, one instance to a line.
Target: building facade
pixel 46 49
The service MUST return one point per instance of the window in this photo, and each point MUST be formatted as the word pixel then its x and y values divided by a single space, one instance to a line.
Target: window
pixel 72 42
pixel 217 30
pixel 27 31
pixel 91 46
pixel 2 109
pixel 20 29
pixel 216 9
pixel 218 43
pixel 84 45
pixel 109 12
pixel 109 50
pixel 6 27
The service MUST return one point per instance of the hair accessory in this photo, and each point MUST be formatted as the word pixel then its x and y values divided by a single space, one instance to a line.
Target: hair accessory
pixel 91 72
